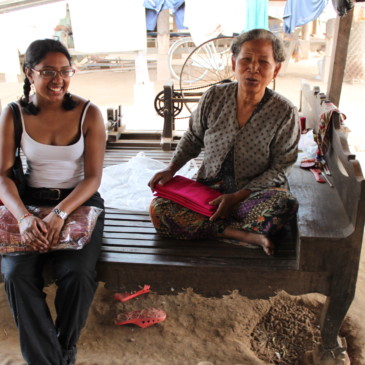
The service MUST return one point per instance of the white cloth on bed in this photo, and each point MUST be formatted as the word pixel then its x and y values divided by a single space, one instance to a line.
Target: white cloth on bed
pixel 124 186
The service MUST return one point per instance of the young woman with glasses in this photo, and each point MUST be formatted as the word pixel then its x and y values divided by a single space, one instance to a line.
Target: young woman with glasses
pixel 63 141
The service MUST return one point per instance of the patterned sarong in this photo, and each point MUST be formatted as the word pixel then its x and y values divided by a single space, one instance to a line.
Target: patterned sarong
pixel 264 212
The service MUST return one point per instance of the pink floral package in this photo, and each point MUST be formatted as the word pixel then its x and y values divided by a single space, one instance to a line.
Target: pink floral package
pixel 75 233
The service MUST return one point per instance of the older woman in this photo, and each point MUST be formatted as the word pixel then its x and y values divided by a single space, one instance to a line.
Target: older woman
pixel 250 135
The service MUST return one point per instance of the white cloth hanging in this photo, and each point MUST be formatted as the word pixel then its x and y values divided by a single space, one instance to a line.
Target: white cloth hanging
pixel 21 27
pixel 206 19
pixel 108 26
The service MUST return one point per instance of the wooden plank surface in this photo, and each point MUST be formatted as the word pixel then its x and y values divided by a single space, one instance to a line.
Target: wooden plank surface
pixel 321 211
pixel 129 236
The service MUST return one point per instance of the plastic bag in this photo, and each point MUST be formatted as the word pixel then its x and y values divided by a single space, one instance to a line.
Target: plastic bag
pixel 308 145
pixel 75 234
pixel 124 186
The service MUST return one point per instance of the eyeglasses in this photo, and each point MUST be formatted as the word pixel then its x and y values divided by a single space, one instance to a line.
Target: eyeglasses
pixel 51 74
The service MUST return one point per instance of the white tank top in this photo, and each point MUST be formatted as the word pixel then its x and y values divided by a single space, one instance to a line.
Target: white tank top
pixel 54 166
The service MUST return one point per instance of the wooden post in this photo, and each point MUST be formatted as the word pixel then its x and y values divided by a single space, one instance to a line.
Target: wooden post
pixel 163 45
pixel 305 41
pixel 339 55
pixel 315 26
pixel 168 112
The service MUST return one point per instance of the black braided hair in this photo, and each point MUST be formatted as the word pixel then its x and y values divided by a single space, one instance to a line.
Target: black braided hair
pixel 28 106
pixel 34 54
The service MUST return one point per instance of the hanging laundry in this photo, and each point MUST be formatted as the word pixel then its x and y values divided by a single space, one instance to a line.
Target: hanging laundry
pixel 300 12
pixel 207 19
pixel 107 27
pixel 21 27
pixel 323 136
pixel 179 15
pixel 257 14
pixel 158 5
pixel 154 7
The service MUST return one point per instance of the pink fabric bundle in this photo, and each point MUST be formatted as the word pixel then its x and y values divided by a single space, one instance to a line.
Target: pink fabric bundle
pixel 189 193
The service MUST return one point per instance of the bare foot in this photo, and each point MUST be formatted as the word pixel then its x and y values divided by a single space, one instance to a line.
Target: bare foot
pixel 239 243
pixel 266 244
pixel 249 237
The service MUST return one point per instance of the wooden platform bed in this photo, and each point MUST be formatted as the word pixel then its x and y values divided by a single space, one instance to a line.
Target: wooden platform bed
pixel 320 253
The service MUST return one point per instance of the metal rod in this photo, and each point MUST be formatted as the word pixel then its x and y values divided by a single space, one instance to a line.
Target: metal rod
pixel 327 179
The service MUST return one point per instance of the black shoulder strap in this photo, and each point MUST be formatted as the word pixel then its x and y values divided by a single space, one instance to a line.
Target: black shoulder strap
pixel 18 127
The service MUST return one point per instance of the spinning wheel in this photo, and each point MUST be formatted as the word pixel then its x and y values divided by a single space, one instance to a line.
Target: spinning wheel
pixel 160 104
pixel 206 65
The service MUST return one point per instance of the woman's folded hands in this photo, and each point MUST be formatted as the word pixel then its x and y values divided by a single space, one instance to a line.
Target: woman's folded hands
pixel 33 233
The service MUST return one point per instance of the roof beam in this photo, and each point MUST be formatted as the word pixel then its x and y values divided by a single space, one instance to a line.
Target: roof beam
pixel 8 6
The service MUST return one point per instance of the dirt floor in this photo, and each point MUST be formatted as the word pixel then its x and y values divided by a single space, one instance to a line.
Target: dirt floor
pixel 231 330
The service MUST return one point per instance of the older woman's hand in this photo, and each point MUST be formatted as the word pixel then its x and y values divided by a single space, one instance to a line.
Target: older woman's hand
pixel 163 176
pixel 227 202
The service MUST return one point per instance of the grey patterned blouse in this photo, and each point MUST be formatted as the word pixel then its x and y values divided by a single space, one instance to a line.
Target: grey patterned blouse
pixel 264 149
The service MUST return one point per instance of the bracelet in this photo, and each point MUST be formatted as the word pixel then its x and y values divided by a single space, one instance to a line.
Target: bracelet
pixel 24 216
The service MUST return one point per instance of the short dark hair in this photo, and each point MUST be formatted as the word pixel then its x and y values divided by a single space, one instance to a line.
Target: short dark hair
pixel 254 34
pixel 34 54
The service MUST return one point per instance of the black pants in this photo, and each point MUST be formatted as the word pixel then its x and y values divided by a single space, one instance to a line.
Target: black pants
pixel 43 341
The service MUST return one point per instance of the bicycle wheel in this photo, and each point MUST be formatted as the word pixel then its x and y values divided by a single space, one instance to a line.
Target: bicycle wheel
pixel 177 55
pixel 208 64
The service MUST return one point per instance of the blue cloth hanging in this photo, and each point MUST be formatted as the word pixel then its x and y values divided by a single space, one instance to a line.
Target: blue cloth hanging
pixel 158 5
pixel 154 7
pixel 257 14
pixel 300 12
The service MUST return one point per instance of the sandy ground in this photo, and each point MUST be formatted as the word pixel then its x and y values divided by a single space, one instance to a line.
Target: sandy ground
pixel 231 330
